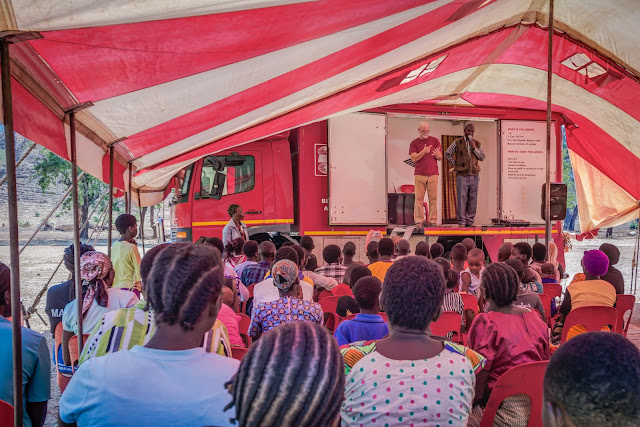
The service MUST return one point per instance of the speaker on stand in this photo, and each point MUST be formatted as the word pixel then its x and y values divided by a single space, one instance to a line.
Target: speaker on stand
pixel 558 202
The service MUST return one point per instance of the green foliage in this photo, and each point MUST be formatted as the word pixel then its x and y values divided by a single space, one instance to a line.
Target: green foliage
pixel 24 224
pixel 37 214
pixel 567 173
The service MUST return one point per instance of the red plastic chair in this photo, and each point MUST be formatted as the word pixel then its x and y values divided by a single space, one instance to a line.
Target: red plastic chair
pixel 552 289
pixel 244 322
pixel 73 349
pixel 592 317
pixel 243 305
pixel 523 379
pixel 6 413
pixel 63 381
pixel 324 294
pixel 546 304
pixel 449 321
pixel 410 189
pixel 470 303
pixel 238 353
pixel 329 305
pixel 624 303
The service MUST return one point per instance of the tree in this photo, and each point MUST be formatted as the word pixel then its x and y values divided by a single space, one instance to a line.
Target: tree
pixel 52 170
pixel 567 178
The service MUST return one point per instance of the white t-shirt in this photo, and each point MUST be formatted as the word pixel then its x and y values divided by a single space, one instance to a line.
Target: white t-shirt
pixel 266 291
pixel 118 298
pixel 152 387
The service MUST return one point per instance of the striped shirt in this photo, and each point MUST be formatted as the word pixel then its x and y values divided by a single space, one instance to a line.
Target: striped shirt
pixel 127 327
pixel 453 302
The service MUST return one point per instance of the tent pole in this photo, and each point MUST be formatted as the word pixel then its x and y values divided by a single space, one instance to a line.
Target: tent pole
pixel 547 199
pixel 141 223
pixel 130 187
pixel 13 231
pixel 110 226
pixel 76 225
pixel 20 160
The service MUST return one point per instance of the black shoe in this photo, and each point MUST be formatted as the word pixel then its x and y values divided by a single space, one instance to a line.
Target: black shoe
pixel 469 225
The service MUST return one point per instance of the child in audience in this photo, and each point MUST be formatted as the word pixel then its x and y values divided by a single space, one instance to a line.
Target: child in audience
pixel 613 275
pixel 233 255
pixel 469 243
pixel 504 251
pixel 172 377
pixel 409 377
pixel 452 299
pixel 250 250
pixel 470 277
pixel 593 380
pixel 291 377
pixel 353 274
pixel 530 281
pixel 125 256
pixel 436 250
pixel 385 249
pixel 347 305
pixel 372 252
pixel 422 249
pixel 525 298
pixel 458 258
pixel 523 252
pixel 538 257
pixel 368 325
pixel 349 252
pixel 548 273
pixel 507 336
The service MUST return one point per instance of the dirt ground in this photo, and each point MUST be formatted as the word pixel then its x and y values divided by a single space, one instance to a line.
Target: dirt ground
pixel 41 258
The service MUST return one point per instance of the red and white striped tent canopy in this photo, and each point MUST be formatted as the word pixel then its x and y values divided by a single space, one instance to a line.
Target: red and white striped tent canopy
pixel 174 80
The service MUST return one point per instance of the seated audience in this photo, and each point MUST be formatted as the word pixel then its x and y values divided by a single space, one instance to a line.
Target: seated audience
pixel 538 257
pixel 125 256
pixel 250 251
pixel 404 249
pixel 307 243
pixel 58 297
pixel 332 263
pixel 254 273
pixel 523 252
pixel 353 273
pixel 470 276
pixel 548 273
pixel 372 252
pixel 409 377
pixel 593 380
pixel 349 252
pixel 233 255
pixel 290 307
pixel 504 251
pixel 436 250
pixel 469 243
pixel 530 281
pixel 553 259
pixel 216 242
pixel 613 275
pixel 172 379
pixel 36 362
pixel 317 281
pixel 266 291
pixel 125 328
pixel 312 263
pixel 452 300
pixel 227 314
pixel 291 377
pixel 98 298
pixel 347 305
pixel 591 291
pixel 422 249
pixel 507 336
pixel 385 249
pixel 458 258
pixel 368 324
pixel 525 298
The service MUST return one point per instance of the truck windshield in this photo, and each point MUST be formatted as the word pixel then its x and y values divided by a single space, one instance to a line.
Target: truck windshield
pixel 184 181
pixel 239 179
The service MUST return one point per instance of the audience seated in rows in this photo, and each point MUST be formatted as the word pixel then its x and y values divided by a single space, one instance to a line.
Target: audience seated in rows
pixel 265 291
pixel 293 376
pixel 504 251
pixel 409 377
pixel 98 298
pixel 613 275
pixel 289 307
pixel 172 377
pixel 233 255
pixel 380 267
pixel 525 298
pixel 522 251
pixel 353 273
pixel 216 242
pixel 506 336
pixel 452 300
pixel 332 263
pixel 227 314
pixel 36 361
pixel 368 324
pixel 250 250
pixel 591 291
pixel 254 273
pixel 538 257
pixel 346 306
pixel 372 252
pixel 436 250
pixel 317 281
pixel 458 257
pixel 404 249
pixel 470 276
pixel 593 380
pixel 349 252
pixel 422 249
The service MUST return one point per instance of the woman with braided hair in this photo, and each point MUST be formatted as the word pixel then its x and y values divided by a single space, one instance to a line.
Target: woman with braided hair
pixel 506 336
pixel 235 227
pixel 292 376
pixel 170 380
pixel 98 297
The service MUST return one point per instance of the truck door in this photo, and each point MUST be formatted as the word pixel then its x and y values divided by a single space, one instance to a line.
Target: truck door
pixel 222 180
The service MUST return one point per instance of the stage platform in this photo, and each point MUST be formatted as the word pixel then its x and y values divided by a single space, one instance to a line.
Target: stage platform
pixel 479 230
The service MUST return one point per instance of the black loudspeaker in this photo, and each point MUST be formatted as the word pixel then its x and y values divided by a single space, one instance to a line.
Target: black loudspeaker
pixel 400 208
pixel 558 205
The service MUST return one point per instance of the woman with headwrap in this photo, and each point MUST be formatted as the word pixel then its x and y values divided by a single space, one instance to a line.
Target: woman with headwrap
pixel 591 291
pixel 98 297
pixel 613 275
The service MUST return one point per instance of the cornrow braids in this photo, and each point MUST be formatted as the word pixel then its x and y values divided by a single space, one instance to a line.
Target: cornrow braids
pixel 185 280
pixel 500 284
pixel 292 376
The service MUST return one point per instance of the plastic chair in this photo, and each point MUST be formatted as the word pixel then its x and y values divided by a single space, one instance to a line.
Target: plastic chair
pixel 624 303
pixel 62 380
pixel 408 189
pixel 329 305
pixel 243 305
pixel 523 379
pixel 449 321
pixel 552 289
pixel 244 322
pixel 6 413
pixel 238 353
pixel 470 303
pixel 324 294
pixel 591 317
pixel 546 304
pixel 73 349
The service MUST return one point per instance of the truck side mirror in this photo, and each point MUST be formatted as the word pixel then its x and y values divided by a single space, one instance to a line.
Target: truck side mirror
pixel 218 185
